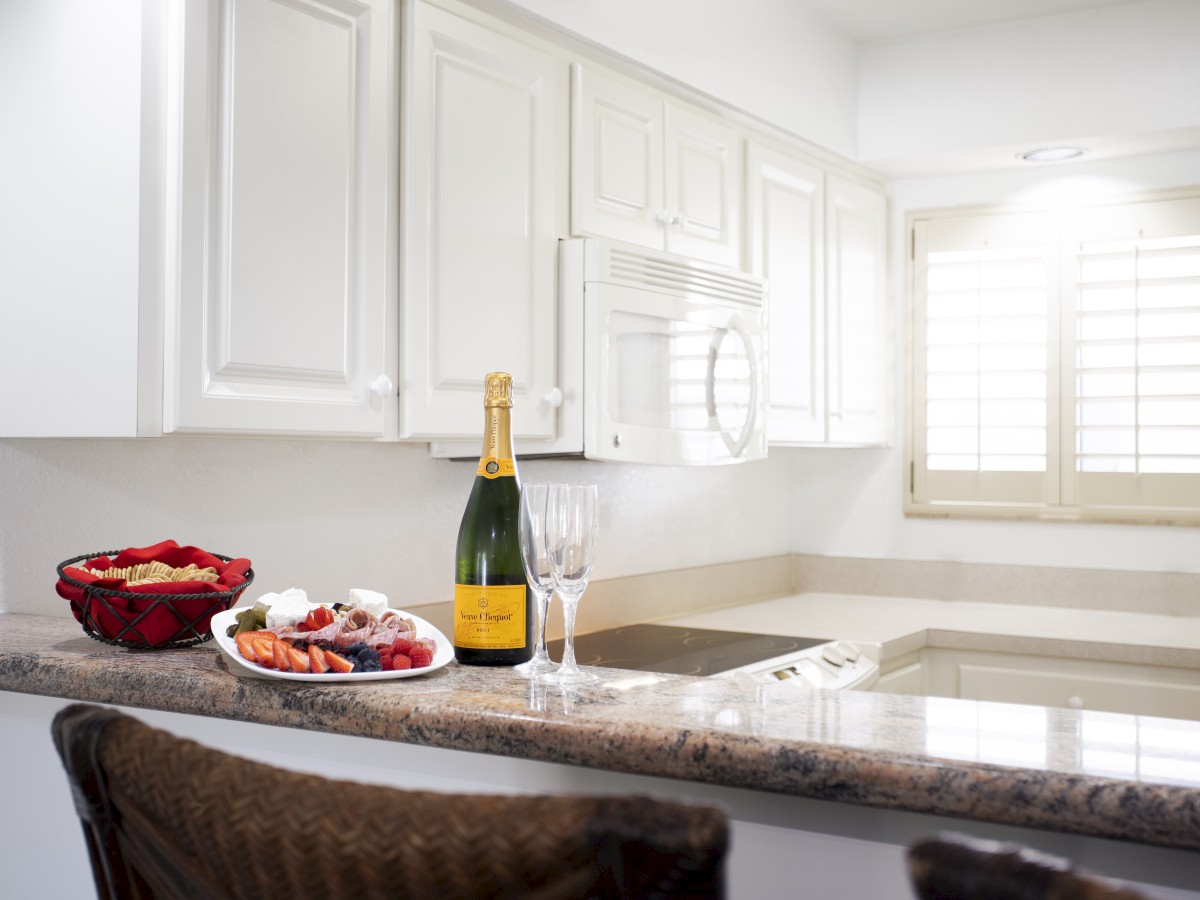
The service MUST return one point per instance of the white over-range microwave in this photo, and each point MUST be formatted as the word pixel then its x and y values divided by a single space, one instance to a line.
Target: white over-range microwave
pixel 662 360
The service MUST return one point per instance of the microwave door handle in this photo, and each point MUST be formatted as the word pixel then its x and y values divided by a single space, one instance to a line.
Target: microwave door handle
pixel 710 384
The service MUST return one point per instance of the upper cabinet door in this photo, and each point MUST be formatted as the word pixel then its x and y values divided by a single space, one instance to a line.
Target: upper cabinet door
pixel 786 224
pixel 654 173
pixel 703 187
pixel 857 311
pixel 277 312
pixel 485 144
pixel 616 160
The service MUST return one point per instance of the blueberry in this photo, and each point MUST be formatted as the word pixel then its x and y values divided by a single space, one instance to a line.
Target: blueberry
pixel 356 648
pixel 372 665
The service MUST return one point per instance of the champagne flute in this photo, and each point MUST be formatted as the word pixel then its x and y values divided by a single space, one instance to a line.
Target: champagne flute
pixel 571 540
pixel 538 571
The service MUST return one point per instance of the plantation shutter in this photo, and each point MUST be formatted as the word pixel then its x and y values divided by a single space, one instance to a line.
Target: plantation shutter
pixel 1132 379
pixel 985 366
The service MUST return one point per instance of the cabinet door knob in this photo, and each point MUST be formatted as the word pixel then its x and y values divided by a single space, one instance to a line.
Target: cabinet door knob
pixel 681 220
pixel 383 386
pixel 664 218
pixel 554 397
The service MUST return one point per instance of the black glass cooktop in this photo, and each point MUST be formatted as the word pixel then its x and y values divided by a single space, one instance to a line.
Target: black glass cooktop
pixel 678 651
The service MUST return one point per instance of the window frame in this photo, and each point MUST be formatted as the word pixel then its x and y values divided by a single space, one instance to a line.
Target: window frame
pixel 1059 490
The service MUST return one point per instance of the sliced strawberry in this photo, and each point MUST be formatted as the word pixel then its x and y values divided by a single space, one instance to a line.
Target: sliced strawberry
pixel 337 663
pixel 245 644
pixel 297 659
pixel 281 656
pixel 320 617
pixel 264 652
pixel 316 659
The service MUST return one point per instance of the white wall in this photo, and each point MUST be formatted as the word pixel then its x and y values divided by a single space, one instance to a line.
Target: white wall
pixel 1089 78
pixel 771 58
pixel 328 516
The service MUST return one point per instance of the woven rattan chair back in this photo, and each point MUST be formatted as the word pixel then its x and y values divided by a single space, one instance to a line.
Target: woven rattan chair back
pixel 954 867
pixel 166 817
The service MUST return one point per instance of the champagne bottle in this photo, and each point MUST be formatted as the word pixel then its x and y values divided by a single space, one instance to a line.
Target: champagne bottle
pixel 493 625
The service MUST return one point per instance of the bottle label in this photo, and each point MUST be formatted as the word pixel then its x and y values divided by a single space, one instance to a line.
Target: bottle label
pixel 492 467
pixel 489 616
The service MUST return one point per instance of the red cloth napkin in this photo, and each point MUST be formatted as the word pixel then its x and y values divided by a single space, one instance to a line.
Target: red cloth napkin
pixel 118 617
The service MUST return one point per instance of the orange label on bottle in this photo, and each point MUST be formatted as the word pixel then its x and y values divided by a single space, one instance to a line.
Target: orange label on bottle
pixel 491 467
pixel 489 616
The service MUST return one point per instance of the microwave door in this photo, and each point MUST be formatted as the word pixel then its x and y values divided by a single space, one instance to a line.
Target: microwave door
pixel 670 381
pixel 733 376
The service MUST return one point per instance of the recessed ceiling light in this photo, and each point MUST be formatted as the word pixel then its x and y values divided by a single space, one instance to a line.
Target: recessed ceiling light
pixel 1051 154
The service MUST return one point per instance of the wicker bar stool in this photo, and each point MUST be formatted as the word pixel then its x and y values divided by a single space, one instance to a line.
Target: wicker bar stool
pixel 166 817
pixel 955 867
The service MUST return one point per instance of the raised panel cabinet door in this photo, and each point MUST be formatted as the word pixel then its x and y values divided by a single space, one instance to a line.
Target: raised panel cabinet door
pixel 482 159
pixel 277 320
pixel 857 368
pixel 616 160
pixel 703 173
pixel 785 222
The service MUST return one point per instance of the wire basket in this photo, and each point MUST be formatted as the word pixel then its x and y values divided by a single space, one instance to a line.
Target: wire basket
pixel 107 619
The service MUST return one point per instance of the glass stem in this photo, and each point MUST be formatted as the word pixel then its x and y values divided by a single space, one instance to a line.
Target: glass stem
pixel 543 603
pixel 570 604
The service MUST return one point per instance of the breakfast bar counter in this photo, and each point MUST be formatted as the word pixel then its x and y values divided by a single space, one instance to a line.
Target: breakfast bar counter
pixel 872 750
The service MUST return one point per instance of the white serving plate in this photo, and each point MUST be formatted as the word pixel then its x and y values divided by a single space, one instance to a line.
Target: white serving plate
pixel 221 621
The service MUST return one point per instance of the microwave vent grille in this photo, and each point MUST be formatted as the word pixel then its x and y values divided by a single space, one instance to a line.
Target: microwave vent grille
pixel 684 277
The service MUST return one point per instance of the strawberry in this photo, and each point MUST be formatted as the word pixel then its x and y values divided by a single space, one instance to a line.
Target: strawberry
pixel 421 656
pixel 279 649
pixel 318 618
pixel 264 652
pixel 399 663
pixel 245 644
pixel 316 659
pixel 337 663
pixel 297 659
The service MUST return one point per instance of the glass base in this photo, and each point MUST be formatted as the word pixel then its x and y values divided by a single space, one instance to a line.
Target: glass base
pixel 563 675
pixel 536 667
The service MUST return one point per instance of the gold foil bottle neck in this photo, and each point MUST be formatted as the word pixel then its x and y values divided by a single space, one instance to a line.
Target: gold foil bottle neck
pixel 497 390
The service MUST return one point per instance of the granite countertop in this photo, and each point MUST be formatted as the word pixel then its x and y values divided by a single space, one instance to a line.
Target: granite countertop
pixel 1016 765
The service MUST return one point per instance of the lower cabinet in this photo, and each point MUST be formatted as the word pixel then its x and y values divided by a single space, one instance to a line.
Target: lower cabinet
pixel 1045 681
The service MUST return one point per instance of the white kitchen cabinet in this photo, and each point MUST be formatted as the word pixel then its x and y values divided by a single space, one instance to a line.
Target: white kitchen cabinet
pixel 69 219
pixel 818 239
pixel 1096 685
pixel 856 312
pixel 484 195
pixel 651 171
pixel 786 225
pixel 280 211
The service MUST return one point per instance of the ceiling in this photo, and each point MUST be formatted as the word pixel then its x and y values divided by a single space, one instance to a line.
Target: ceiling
pixel 873 21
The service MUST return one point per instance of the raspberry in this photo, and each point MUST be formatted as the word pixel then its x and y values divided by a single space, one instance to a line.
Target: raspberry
pixel 421 657
pixel 400 662
pixel 385 656
pixel 401 645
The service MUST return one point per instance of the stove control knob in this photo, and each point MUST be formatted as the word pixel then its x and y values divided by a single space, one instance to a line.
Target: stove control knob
pixel 833 655
pixel 848 650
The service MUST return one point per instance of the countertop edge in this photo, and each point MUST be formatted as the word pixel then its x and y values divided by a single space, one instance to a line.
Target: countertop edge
pixel 453 710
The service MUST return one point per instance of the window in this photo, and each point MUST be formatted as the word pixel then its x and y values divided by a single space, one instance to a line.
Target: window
pixel 1056 363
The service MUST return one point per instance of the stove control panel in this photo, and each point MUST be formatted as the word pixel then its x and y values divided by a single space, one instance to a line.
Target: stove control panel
pixel 834 666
